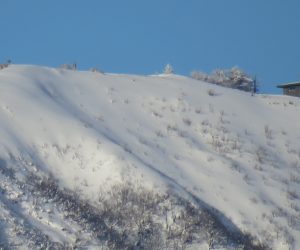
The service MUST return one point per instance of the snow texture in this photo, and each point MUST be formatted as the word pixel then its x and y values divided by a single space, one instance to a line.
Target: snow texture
pixel 236 155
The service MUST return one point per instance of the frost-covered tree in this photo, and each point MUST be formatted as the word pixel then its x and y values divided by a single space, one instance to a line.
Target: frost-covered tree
pixel 232 78
pixel 198 75
pixel 168 69
pixel 240 79
pixel 66 66
pixel 219 76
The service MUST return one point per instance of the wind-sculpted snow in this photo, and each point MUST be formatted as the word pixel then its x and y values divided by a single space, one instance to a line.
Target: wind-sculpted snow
pixel 93 160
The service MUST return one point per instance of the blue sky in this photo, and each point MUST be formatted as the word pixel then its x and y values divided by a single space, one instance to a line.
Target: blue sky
pixel 141 36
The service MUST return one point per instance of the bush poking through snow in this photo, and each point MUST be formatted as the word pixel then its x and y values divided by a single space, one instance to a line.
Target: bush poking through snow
pixel 94 69
pixel 69 66
pixel 3 65
pixel 211 92
pixel 268 132
pixel 132 217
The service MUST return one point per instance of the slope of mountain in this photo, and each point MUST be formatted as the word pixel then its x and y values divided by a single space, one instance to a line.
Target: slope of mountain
pixel 87 157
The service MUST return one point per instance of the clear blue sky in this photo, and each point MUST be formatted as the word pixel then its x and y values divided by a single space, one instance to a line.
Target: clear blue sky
pixel 141 36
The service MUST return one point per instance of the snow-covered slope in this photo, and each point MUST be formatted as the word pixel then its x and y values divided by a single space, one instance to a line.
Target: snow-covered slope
pixel 233 154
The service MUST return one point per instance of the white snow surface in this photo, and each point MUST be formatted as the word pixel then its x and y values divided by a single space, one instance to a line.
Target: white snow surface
pixel 237 153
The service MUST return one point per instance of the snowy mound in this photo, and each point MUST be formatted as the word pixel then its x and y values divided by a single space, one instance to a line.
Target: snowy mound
pixel 70 136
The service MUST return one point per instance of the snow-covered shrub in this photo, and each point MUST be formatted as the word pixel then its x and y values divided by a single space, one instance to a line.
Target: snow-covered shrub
pixel 3 65
pixel 260 154
pixel 211 92
pixel 268 132
pixel 231 78
pixel 294 178
pixel 94 69
pixel 187 121
pixel 198 75
pixel 69 66
pixel 129 216
pixel 292 194
pixel 219 76
pixel 240 79
pixel 168 69
pixel 66 66
pixel 198 110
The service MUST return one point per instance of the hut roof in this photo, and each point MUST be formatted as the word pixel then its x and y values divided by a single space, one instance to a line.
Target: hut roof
pixel 287 85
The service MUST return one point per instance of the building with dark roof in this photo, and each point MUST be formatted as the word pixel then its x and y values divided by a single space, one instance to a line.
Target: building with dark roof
pixel 292 89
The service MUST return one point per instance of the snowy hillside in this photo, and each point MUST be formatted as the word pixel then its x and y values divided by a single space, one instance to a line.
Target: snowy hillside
pixel 93 160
